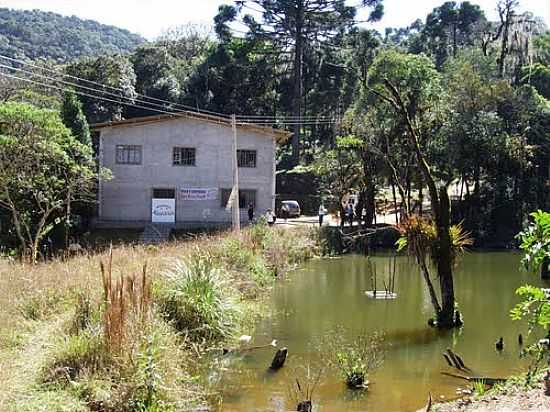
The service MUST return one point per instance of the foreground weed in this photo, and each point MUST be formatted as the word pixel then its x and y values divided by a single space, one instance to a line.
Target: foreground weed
pixel 41 304
pixel 76 354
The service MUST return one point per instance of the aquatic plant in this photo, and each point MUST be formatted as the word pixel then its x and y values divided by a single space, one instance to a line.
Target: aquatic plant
pixel 355 359
pixel 479 388
pixel 306 380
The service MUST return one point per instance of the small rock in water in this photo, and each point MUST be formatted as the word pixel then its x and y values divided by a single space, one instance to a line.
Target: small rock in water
pixel 245 339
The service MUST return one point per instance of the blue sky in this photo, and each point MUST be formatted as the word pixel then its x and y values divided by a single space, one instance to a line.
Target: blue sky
pixel 150 17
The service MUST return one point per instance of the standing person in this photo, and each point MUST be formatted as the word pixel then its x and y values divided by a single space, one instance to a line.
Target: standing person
pixel 350 212
pixel 285 211
pixel 270 217
pixel 250 212
pixel 322 213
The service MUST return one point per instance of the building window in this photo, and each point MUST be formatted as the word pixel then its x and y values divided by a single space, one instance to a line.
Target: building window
pixel 246 197
pixel 246 158
pixel 164 194
pixel 128 154
pixel 184 156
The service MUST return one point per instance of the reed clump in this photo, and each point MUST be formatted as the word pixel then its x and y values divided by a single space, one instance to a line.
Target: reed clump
pixel 127 306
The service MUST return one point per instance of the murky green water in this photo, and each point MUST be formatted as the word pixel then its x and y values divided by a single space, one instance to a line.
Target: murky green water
pixel 326 294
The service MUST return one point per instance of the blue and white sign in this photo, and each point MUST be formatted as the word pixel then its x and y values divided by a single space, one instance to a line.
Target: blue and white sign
pixel 163 211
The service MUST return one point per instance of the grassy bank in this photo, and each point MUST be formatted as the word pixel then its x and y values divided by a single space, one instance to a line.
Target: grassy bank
pixel 130 336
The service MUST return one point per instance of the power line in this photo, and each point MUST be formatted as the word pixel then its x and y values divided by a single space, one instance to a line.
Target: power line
pixel 164 108
pixel 87 94
pixel 82 87
pixel 176 114
pixel 110 87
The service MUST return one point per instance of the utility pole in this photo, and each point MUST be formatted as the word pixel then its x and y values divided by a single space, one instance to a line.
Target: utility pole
pixel 236 214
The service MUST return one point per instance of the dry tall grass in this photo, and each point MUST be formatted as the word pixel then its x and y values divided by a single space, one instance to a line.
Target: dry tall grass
pixel 127 301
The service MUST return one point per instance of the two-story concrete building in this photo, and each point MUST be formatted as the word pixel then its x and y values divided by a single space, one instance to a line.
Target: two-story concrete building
pixel 179 169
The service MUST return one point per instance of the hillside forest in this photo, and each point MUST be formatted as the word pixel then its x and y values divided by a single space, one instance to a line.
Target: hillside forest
pixel 453 102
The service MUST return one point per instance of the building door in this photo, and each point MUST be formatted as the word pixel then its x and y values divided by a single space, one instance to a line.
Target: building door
pixel 163 206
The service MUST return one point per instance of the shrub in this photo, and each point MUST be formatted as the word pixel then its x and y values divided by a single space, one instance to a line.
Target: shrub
pixel 196 299
pixel 236 255
pixel 258 233
pixel 535 306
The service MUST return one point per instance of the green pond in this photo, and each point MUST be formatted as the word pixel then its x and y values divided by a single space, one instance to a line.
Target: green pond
pixel 329 294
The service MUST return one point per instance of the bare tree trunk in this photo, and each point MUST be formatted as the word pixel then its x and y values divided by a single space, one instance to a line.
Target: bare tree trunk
pixel 38 236
pixel 298 81
pixel 420 197
pixel 370 203
pixel 67 219
pixel 445 316
pixel 429 284
pixel 394 202
pixel 441 208
pixel 16 223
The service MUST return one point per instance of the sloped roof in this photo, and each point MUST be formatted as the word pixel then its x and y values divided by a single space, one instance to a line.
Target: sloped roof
pixel 280 135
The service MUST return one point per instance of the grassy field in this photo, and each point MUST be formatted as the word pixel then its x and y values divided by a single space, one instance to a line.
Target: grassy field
pixel 130 337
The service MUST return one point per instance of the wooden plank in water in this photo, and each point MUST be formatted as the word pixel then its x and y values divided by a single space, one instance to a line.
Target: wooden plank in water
pixel 380 294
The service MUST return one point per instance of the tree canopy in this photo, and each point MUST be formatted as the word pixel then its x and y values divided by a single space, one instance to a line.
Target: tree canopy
pixel 34 34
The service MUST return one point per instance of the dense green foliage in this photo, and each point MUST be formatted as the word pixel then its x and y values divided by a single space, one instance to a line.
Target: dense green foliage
pixel 482 116
pixel 535 242
pixel 48 36
pixel 535 304
pixel 73 117
pixel 43 168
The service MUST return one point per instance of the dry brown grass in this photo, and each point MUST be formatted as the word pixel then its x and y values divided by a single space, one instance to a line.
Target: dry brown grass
pixel 58 288
pixel 128 302
pixel 21 283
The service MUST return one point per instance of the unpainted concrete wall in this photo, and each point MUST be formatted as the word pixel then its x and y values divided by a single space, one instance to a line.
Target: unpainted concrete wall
pixel 127 197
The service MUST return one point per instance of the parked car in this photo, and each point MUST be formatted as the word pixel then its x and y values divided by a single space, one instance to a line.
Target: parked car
pixel 289 208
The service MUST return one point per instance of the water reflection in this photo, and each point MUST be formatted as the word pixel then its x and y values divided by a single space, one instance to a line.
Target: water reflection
pixel 328 294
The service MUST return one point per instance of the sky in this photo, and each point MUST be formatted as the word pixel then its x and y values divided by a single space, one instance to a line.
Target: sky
pixel 150 17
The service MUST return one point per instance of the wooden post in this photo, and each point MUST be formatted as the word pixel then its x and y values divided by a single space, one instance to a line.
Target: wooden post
pixel 236 214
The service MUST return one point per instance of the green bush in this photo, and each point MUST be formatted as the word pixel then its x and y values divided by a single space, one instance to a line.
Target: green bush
pixel 196 298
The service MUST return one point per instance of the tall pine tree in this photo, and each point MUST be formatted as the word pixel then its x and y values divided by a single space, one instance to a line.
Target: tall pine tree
pixel 293 26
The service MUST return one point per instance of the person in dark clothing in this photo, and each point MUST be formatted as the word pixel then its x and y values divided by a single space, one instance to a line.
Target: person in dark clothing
pixel 250 212
pixel 350 213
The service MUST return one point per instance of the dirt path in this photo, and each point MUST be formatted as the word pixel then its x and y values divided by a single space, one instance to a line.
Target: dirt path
pixel 20 366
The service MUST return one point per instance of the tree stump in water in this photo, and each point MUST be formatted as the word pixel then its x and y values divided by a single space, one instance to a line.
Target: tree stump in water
pixel 304 406
pixel 356 381
pixel 279 359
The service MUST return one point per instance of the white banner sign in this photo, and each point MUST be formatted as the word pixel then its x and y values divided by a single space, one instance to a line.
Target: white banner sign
pixel 198 194
pixel 163 211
